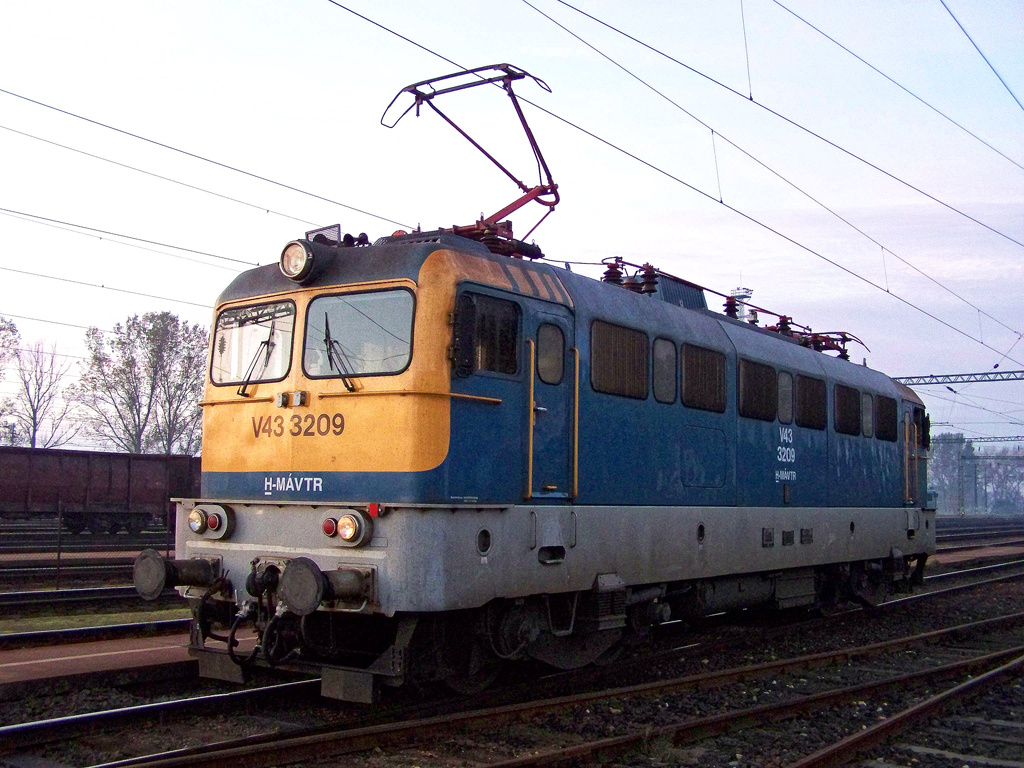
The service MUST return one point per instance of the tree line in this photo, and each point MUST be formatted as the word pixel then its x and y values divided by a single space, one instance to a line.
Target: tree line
pixel 971 480
pixel 136 390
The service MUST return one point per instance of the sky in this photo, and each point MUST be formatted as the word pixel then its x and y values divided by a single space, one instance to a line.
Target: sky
pixel 711 171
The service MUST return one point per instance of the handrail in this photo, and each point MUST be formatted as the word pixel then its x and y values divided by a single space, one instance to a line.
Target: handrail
pixel 236 402
pixel 576 427
pixel 457 395
pixel 533 420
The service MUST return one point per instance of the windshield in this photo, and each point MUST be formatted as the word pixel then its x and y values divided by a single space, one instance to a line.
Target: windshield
pixel 253 344
pixel 358 334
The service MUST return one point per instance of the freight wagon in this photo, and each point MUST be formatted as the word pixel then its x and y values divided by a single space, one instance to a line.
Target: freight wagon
pixel 94 490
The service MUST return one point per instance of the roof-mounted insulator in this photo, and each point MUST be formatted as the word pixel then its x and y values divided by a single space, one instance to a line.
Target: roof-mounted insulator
pixel 632 283
pixel 650 284
pixel 612 274
pixel 752 316
pixel 731 307
pixel 351 241
pixel 784 328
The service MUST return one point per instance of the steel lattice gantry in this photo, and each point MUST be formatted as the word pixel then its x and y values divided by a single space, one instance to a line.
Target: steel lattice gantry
pixel 962 378
pixel 1010 439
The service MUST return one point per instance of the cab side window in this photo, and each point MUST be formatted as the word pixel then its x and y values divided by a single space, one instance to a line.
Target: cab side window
pixel 486 335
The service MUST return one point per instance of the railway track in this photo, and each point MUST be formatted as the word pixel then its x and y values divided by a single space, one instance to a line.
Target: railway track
pixel 91 595
pixel 822 680
pixel 45 638
pixel 104 595
pixel 46 570
pixel 17 544
pixel 654 705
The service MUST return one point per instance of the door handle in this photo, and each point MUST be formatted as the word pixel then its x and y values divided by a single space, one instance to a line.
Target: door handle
pixel 539 409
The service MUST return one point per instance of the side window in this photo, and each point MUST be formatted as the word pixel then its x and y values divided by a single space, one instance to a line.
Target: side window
pixel 785 397
pixel 486 335
pixel 618 360
pixel 810 402
pixel 886 418
pixel 758 390
pixel 664 371
pixel 703 378
pixel 867 415
pixel 846 415
pixel 550 353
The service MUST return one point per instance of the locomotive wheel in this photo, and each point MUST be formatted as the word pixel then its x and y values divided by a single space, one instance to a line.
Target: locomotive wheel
pixel 472 670
pixel 611 656
pixel 869 590
pixel 464 664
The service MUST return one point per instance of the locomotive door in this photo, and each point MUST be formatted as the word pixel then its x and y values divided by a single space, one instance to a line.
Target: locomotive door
pixel 552 407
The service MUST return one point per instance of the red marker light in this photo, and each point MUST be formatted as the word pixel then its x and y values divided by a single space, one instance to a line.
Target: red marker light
pixel 213 522
pixel 330 527
pixel 374 509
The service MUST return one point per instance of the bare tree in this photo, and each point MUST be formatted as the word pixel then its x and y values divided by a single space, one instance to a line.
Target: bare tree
pixel 945 470
pixel 9 341
pixel 42 413
pixel 142 384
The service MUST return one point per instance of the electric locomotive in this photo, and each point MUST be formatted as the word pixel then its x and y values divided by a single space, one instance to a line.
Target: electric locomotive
pixel 431 455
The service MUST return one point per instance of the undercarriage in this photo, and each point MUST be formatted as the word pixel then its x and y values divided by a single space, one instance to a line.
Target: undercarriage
pixel 355 653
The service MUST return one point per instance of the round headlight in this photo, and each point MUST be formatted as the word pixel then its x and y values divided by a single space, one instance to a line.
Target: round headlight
pixel 349 527
pixel 296 260
pixel 197 521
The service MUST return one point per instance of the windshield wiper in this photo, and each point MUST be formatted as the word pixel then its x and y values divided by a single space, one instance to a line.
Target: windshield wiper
pixel 335 354
pixel 265 349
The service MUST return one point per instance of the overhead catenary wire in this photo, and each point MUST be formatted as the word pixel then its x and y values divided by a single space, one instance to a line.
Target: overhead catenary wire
pixel 962 401
pixel 159 176
pixel 40 221
pixel 981 53
pixel 810 132
pixel 54 322
pixel 48 353
pixel 129 237
pixel 699 191
pixel 774 172
pixel 776 232
pixel 899 85
pixel 104 287
pixel 202 158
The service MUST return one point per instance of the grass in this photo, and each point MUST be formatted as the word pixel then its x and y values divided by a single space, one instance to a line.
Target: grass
pixel 11 625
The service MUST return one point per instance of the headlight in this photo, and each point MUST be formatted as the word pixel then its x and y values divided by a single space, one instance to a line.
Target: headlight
pixel 349 527
pixel 296 260
pixel 197 521
pixel 346 527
